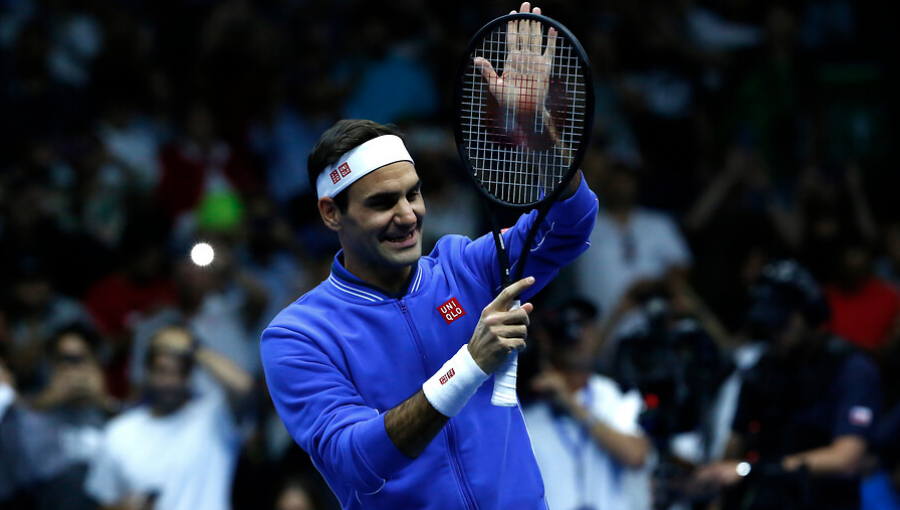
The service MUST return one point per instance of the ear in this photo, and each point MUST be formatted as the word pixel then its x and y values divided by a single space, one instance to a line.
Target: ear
pixel 330 213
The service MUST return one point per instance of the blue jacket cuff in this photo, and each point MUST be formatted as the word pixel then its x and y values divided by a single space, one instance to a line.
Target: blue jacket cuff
pixel 572 210
pixel 380 453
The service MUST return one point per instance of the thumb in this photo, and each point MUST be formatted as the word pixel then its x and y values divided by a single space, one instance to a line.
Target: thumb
pixel 495 83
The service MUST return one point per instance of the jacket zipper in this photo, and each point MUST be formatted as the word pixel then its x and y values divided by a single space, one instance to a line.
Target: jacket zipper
pixel 468 499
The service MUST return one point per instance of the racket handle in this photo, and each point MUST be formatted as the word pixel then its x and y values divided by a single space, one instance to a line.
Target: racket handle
pixel 505 377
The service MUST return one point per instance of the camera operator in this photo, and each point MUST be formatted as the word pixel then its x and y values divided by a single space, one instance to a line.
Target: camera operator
pixel 806 410
pixel 584 428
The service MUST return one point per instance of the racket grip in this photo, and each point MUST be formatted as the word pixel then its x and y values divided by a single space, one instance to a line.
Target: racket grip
pixel 505 377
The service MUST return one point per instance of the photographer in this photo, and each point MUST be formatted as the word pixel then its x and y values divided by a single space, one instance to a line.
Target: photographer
pixel 806 410
pixel 584 429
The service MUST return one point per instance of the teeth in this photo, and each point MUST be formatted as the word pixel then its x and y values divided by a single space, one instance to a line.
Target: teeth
pixel 401 238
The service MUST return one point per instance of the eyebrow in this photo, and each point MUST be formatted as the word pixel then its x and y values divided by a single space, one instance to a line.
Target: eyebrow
pixel 389 195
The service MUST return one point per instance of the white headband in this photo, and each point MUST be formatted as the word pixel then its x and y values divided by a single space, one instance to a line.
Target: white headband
pixel 362 160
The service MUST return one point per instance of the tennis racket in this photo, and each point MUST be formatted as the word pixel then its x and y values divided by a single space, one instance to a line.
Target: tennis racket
pixel 524 108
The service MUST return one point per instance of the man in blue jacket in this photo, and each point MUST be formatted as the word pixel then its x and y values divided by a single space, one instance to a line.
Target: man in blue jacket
pixel 378 373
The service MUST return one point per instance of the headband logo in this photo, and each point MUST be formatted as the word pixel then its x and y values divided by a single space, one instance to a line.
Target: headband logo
pixel 344 172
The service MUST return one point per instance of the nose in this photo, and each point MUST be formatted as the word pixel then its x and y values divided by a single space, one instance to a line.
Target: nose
pixel 405 214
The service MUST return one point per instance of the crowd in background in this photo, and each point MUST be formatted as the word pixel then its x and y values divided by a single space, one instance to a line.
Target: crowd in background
pixel 727 133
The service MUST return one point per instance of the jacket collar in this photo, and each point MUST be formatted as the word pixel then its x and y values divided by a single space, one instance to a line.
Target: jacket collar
pixel 350 286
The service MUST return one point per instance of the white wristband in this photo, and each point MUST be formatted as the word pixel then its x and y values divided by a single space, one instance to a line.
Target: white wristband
pixel 454 384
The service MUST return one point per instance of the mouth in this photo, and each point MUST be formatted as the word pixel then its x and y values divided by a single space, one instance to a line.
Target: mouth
pixel 403 241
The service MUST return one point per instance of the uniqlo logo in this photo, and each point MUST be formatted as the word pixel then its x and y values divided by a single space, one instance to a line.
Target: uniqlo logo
pixel 334 177
pixel 446 377
pixel 451 310
pixel 344 169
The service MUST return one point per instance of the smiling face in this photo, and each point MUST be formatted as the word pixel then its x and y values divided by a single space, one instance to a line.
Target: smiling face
pixel 381 230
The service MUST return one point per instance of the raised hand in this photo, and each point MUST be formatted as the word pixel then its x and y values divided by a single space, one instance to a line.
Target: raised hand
pixel 501 330
pixel 525 82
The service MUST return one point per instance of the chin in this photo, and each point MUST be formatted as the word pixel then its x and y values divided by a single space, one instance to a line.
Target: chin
pixel 406 259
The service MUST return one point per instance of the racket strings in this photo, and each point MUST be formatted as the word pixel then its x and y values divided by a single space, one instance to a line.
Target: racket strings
pixel 521 144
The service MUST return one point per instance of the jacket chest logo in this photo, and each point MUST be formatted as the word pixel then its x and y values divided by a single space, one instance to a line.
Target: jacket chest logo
pixel 451 310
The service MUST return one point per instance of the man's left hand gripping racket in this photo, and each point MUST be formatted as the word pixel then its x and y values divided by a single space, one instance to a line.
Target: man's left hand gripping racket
pixel 524 104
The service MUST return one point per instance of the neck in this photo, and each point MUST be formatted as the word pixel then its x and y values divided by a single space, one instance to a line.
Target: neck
pixel 390 280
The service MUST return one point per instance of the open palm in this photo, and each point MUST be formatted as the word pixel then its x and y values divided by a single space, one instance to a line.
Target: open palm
pixel 523 87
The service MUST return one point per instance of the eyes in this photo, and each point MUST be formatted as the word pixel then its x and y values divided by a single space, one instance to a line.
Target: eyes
pixel 387 202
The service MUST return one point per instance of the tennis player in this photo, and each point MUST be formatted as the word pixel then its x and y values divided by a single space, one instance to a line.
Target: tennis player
pixel 379 372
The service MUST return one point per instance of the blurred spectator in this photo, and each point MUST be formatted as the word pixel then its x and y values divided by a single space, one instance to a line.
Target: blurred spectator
pixel 710 31
pixel 736 224
pixel 73 407
pixel 131 142
pixel 29 457
pixel 584 429
pixel 807 410
pixel 76 39
pixel 272 258
pixel 865 310
pixel 222 304
pixel 629 244
pixel 391 69
pixel 30 235
pixel 199 165
pixel 140 285
pixel 177 450
pixel 283 138
pixel 772 95
pixel 99 197
pixel 661 75
pixel 37 312
pixel 831 210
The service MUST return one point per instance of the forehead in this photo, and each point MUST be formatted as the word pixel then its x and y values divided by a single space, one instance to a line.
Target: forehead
pixel 71 342
pixel 394 178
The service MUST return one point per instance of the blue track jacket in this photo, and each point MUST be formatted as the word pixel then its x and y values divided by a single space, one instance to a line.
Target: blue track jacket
pixel 345 353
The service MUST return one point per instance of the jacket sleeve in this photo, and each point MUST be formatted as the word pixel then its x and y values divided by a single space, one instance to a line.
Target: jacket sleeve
pixel 325 414
pixel 563 236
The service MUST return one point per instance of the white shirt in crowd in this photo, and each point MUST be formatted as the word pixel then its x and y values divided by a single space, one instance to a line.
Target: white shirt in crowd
pixel 646 248
pixel 577 473
pixel 187 458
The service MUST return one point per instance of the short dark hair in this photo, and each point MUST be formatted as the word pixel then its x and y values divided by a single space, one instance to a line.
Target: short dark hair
pixel 340 139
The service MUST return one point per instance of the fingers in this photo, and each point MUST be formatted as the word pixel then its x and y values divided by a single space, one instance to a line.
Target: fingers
pixel 503 300
pixel 526 7
pixel 536 34
pixel 512 331
pixel 551 46
pixel 512 35
pixel 517 316
pixel 511 343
